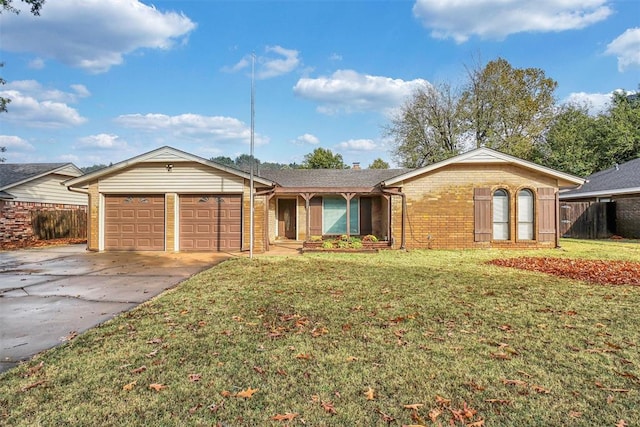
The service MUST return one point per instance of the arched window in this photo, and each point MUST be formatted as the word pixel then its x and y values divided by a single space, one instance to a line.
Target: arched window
pixel 525 214
pixel 500 215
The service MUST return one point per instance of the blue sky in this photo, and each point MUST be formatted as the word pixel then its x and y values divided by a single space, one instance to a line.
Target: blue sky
pixel 100 81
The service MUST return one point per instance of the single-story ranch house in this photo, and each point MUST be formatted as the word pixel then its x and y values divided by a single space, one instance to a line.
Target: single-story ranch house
pixel 169 200
pixel 28 188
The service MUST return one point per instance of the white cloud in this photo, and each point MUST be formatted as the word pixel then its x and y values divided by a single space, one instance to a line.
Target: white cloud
pixel 33 105
pixel 358 145
pixel 497 19
pixel 36 64
pixel 307 138
pixel 102 141
pixel 595 102
pixel 193 127
pixel 15 143
pixel 349 91
pixel 627 48
pixel 268 66
pixel 93 35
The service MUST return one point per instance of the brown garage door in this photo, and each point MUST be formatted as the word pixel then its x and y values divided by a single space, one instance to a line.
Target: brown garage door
pixel 210 222
pixel 134 222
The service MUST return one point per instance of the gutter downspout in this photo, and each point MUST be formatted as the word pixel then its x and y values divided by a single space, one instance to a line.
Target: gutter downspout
pixel 403 238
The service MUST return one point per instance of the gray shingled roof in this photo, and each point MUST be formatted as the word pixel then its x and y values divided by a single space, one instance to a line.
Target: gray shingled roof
pixel 330 178
pixel 11 173
pixel 615 179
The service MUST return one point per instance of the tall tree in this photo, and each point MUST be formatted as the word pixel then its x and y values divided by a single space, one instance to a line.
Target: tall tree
pixel 224 160
pixel 379 164
pixel 620 130
pixel 427 127
pixel 508 108
pixel 570 143
pixel 6 5
pixel 323 158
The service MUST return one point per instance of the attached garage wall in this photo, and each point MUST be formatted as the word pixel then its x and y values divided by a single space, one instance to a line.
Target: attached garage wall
pixel 210 222
pixel 134 222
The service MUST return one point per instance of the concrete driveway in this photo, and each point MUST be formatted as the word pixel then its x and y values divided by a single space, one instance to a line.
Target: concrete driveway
pixel 50 294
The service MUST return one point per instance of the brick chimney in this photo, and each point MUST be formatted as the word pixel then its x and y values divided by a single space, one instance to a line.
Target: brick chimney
pixel 356 165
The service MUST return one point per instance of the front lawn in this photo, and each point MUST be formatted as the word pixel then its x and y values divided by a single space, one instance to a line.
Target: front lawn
pixel 388 339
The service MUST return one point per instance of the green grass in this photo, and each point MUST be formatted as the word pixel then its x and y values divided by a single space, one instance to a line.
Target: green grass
pixel 413 326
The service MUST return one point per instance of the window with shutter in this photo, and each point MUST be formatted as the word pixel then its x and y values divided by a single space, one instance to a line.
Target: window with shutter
pixel 482 214
pixel 525 215
pixel 500 215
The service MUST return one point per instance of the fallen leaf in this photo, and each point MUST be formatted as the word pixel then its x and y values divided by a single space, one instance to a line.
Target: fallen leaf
pixel 281 372
pixel 621 423
pixel 226 393
pixel 304 356
pixel 315 398
pixel 442 401
pixel 615 390
pixel 540 389
pixel 155 341
pixel 328 407
pixel 215 407
pixel 284 417
pixel 514 382
pixel 434 414
pixel 575 414
pixel 130 386
pixel 34 369
pixel 370 394
pixel 193 409
pixel 610 399
pixel 157 387
pixel 386 417
pixel 414 406
pixel 352 359
pixel 479 423
pixel 248 393
pixel 195 377
pixel 32 385
pixel 139 370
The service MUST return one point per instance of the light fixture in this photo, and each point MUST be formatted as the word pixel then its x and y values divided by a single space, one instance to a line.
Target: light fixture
pixel 169 167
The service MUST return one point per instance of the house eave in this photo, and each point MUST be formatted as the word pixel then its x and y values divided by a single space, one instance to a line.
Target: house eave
pixel 326 190
pixel 40 175
pixel 601 193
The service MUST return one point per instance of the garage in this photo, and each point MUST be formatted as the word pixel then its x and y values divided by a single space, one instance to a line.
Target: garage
pixel 210 222
pixel 134 222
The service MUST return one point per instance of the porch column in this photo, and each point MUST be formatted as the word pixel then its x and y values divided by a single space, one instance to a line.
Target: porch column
pixel 348 197
pixel 266 221
pixel 307 197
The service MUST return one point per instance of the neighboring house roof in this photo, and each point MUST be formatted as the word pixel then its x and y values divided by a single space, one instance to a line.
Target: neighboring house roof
pixel 166 154
pixel 488 156
pixel 330 178
pixel 619 179
pixel 14 174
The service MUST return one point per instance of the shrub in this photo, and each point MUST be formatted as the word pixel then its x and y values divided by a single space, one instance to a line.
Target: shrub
pixel 327 244
pixel 369 238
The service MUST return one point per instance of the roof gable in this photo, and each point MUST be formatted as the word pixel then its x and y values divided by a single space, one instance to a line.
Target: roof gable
pixel 13 174
pixel 163 154
pixel 488 156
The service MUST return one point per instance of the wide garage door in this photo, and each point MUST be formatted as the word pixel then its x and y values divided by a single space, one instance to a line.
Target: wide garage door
pixel 210 222
pixel 134 222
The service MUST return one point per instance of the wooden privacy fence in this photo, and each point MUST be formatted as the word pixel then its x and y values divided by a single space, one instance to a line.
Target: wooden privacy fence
pixel 587 220
pixel 57 224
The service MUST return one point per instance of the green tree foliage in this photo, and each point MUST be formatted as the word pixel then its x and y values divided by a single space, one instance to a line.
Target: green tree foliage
pixel 93 168
pixel 569 143
pixel 508 109
pixel 323 158
pixel 427 127
pixel 379 164
pixel 223 160
pixel 619 139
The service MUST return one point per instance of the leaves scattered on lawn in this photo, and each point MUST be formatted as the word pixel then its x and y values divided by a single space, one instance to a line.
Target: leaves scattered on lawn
pixel 596 271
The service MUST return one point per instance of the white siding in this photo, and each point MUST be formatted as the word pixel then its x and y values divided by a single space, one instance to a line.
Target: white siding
pixel 164 156
pixel 183 178
pixel 47 189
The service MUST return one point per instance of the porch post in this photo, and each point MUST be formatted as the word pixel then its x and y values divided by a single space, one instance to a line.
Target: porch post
pixel 348 197
pixel 307 197
pixel 266 221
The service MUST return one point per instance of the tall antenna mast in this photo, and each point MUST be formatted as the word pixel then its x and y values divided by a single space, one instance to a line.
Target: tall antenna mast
pixel 253 113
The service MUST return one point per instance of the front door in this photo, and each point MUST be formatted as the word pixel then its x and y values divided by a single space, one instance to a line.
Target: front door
pixel 287 218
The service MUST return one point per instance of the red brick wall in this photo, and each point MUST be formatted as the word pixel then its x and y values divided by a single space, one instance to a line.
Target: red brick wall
pixel 15 220
pixel 440 205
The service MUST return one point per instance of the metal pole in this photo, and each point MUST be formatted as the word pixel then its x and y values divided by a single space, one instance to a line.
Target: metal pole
pixel 251 201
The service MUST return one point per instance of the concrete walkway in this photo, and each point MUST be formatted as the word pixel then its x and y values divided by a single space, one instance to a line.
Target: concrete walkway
pixel 49 294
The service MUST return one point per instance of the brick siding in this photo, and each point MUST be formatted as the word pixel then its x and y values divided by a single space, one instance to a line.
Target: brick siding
pixel 628 217
pixel 440 206
pixel 15 219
